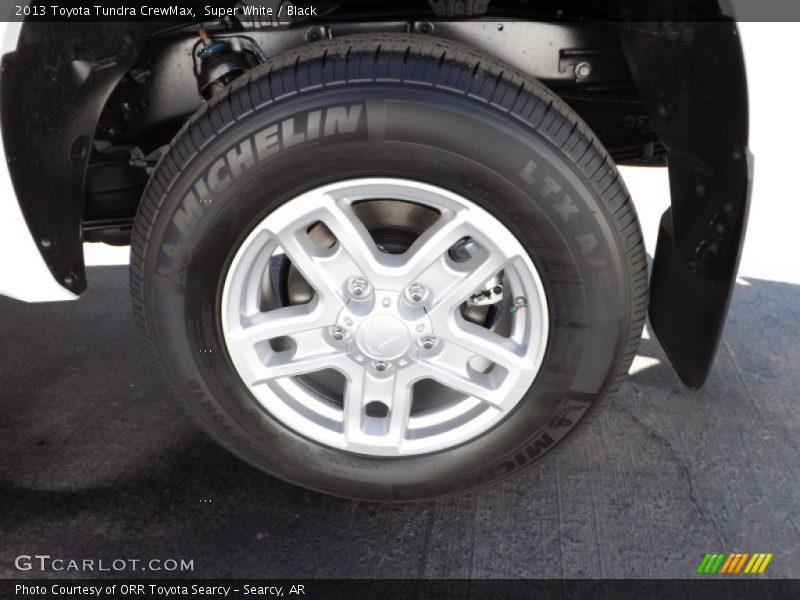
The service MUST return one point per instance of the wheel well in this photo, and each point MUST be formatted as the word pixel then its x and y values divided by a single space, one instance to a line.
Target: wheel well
pixel 583 63
pixel 114 94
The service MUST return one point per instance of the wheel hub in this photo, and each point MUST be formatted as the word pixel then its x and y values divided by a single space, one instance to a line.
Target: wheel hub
pixel 383 337
pixel 384 328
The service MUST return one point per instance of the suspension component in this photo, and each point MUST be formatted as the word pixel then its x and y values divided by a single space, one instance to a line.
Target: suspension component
pixel 222 61
pixel 492 293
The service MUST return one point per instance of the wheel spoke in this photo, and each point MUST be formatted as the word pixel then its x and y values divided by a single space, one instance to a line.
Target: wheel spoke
pixel 363 388
pixel 450 292
pixel 290 366
pixel 281 322
pixel 352 236
pixel 311 354
pixel 328 269
pixel 486 343
pixel 314 266
pixel 393 393
pixel 431 247
pixel 449 367
pixel 400 410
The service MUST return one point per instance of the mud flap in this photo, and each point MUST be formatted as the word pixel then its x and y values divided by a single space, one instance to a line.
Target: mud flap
pixel 692 78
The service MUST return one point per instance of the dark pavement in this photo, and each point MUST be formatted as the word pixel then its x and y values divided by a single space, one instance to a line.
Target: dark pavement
pixel 98 462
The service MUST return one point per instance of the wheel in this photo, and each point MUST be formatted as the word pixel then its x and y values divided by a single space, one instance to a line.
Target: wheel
pixel 386 267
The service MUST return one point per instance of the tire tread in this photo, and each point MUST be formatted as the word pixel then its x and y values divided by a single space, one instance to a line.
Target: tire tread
pixel 413 60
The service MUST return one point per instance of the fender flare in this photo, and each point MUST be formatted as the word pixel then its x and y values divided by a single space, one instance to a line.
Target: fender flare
pixel 692 79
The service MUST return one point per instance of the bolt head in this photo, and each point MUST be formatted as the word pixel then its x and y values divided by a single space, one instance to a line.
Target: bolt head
pixel 428 342
pixel 416 293
pixel 358 287
pixel 583 70
pixel 338 334
pixel 380 366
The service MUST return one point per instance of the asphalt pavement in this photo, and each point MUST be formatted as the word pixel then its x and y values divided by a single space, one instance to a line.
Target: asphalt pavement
pixel 98 462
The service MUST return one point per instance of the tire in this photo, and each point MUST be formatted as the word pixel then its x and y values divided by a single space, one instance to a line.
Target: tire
pixel 390 108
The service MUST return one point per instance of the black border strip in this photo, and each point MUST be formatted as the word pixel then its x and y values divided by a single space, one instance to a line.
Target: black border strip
pixel 743 587
pixel 392 10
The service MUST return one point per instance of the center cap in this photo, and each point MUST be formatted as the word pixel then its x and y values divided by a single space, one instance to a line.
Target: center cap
pixel 383 337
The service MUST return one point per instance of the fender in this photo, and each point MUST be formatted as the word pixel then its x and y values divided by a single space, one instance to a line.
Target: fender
pixel 23 272
pixel 692 79
pixel 51 75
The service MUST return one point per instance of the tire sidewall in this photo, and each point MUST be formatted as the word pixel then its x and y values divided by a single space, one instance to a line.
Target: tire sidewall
pixel 513 172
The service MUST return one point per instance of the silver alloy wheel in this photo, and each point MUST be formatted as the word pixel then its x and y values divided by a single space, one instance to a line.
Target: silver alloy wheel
pixel 385 322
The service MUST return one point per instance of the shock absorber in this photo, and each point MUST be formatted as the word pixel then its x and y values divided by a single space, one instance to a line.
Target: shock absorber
pixel 223 60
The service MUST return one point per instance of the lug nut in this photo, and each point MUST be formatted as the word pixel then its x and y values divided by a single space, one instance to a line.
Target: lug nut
pixel 428 342
pixel 380 366
pixel 338 333
pixel 416 293
pixel 463 250
pixel 358 287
